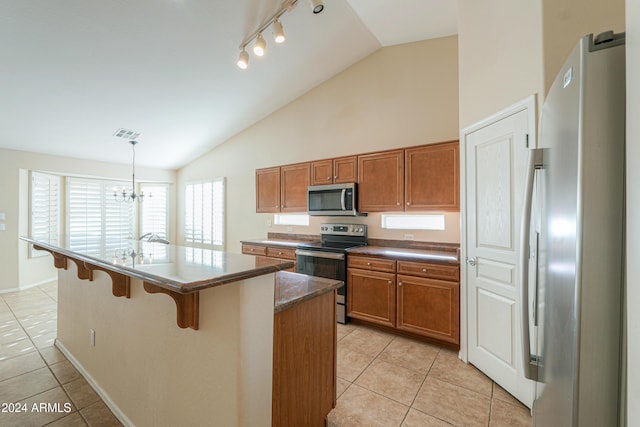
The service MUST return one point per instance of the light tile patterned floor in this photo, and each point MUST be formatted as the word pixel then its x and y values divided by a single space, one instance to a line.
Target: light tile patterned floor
pixel 385 380
pixel 33 372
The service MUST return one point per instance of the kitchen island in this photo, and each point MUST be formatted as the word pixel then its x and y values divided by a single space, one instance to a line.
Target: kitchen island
pixel 220 351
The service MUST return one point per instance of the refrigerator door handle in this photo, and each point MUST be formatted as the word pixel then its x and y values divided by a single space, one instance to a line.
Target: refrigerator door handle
pixel 530 365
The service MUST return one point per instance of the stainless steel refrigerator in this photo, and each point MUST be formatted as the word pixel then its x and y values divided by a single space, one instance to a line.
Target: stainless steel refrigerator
pixel 573 237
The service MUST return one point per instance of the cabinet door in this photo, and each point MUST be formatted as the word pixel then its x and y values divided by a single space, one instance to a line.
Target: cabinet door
pixel 268 190
pixel 345 169
pixel 433 177
pixel 381 182
pixel 293 187
pixel 371 296
pixel 429 307
pixel 322 172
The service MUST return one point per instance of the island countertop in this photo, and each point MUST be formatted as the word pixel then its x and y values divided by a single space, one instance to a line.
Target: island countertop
pixel 178 269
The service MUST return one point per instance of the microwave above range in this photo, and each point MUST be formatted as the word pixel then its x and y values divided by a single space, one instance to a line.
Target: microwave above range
pixel 333 200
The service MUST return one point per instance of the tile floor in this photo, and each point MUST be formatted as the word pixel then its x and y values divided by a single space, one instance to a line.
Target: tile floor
pixel 385 380
pixel 34 372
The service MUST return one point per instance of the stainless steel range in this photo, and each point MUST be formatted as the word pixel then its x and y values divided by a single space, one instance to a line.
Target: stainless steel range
pixel 328 258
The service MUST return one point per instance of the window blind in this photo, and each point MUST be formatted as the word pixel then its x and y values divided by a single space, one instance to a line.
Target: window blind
pixel 205 213
pixel 45 209
pixel 95 218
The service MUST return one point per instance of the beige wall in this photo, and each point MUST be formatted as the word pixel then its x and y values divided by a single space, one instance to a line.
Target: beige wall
pixel 20 270
pixel 399 96
pixel 500 55
pixel 633 212
pixel 219 375
pixel 565 21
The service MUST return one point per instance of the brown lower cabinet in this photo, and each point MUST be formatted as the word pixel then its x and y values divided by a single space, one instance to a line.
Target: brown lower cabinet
pixel 425 302
pixel 273 252
pixel 304 363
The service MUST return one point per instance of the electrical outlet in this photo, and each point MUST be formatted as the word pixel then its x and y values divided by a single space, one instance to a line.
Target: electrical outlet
pixel 2 227
pixel 269 222
pixel 408 237
pixel 3 216
pixel 92 337
pixel 289 229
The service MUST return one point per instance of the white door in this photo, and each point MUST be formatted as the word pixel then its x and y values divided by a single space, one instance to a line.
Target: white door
pixel 495 161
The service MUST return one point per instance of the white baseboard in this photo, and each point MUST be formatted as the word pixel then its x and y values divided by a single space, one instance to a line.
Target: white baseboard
pixel 99 390
pixel 29 286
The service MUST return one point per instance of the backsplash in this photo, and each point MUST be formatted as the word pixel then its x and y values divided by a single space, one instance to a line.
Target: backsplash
pixel 451 234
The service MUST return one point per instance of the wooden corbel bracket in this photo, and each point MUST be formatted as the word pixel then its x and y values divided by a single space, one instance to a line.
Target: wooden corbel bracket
pixel 120 284
pixel 83 272
pixel 187 305
pixel 59 260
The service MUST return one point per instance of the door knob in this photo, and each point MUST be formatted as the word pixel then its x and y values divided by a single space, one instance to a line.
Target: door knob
pixel 471 261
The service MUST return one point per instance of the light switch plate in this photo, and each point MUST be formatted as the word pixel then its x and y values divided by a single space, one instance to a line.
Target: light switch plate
pixel 3 216
pixel 1 227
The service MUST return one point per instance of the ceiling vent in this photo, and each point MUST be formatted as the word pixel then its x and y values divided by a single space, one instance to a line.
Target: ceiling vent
pixel 129 135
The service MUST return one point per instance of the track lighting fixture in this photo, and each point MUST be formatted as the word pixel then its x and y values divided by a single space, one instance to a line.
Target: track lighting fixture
pixel 243 59
pixel 279 31
pixel 260 45
pixel 316 6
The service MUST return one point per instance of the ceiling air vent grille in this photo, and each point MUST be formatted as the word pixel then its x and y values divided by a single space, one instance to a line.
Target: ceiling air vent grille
pixel 127 134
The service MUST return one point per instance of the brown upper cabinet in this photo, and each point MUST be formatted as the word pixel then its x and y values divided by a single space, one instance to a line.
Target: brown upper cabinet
pixel 334 171
pixel 432 177
pixel 381 181
pixel 268 190
pixel 282 189
pixel 424 178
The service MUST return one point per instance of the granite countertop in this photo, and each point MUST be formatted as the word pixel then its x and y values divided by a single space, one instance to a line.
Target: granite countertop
pixel 292 243
pixel 406 254
pixel 294 288
pixel 176 268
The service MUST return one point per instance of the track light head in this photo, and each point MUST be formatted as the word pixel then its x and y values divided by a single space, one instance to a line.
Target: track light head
pixel 260 46
pixel 316 6
pixel 243 60
pixel 279 31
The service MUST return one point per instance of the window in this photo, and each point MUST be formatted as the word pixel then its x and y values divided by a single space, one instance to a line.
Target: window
pixel 204 213
pixel 45 209
pixel 154 209
pixel 413 222
pixel 95 218
pixel 291 219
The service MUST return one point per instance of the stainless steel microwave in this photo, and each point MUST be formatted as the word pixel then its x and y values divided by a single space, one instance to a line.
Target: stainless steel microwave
pixel 333 200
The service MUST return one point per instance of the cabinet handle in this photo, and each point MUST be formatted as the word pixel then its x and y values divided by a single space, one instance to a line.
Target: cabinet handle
pixel 368 263
pixel 390 282
pixel 328 178
pixel 408 203
pixel 279 253
pixel 252 249
pixel 399 283
pixel 335 177
pixel 398 204
pixel 424 270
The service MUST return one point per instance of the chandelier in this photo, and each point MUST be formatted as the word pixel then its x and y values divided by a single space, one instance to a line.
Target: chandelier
pixel 131 196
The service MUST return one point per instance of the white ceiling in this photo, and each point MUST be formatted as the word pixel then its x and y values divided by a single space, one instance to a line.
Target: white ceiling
pixel 74 71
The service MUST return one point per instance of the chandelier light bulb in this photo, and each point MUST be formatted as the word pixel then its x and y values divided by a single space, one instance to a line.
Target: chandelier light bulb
pixel 261 46
pixel 279 31
pixel 243 60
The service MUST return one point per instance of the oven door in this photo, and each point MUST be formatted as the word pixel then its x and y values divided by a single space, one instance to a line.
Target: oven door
pixel 330 265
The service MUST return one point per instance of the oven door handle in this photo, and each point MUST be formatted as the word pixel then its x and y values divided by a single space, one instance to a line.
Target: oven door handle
pixel 315 254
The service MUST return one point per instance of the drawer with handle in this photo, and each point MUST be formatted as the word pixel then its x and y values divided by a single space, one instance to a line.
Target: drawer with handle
pixel 368 263
pixel 254 250
pixel 433 271
pixel 283 253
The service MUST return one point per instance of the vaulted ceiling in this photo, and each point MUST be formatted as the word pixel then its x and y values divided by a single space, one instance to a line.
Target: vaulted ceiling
pixel 74 71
